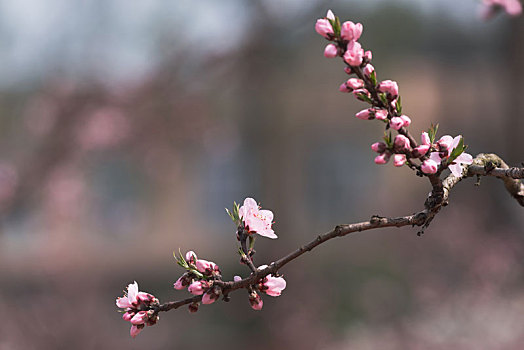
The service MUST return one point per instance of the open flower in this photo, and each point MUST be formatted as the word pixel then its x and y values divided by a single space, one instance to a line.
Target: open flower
pixel 271 285
pixel 256 220
pixel 464 158
pixel 137 307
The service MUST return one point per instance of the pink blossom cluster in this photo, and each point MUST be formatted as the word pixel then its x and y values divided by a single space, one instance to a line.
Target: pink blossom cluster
pixel 491 7
pixel 199 278
pixel 443 150
pixel 256 220
pixel 138 308
pixel 271 285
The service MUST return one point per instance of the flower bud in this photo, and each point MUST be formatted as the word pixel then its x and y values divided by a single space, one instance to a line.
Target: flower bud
pixel 139 318
pixel 196 288
pixel 359 92
pixel 445 143
pixel 425 138
pixel 420 151
pixel 381 114
pixel 354 83
pixel 181 283
pixel 399 159
pixel 193 307
pixel 406 121
pixel 364 114
pixel 348 70
pixel 256 301
pixel 402 143
pixel 382 158
pixel 350 31
pixel 396 123
pixel 135 329
pixel 331 51
pixel 368 55
pixel 191 257
pixel 379 147
pixel 210 296
pixel 354 54
pixel 324 28
pixel 368 70
pixel 330 15
pixel 389 86
pixel 429 166
pixel 344 88
pixel 127 316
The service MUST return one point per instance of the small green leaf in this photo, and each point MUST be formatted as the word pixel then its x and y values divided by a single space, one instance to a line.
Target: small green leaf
pixel 399 105
pixel 365 98
pixel 373 78
pixel 383 98
pixel 457 151
pixel 432 133
pixel 251 242
pixel 388 139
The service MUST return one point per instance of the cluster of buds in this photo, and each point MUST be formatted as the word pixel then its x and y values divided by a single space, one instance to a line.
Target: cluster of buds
pixel 138 308
pixel 386 105
pixel 491 7
pixel 198 278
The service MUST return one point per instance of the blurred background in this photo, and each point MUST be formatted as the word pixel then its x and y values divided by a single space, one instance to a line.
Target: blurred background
pixel 127 127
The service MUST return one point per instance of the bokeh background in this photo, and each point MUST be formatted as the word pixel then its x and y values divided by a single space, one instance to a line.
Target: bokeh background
pixel 127 127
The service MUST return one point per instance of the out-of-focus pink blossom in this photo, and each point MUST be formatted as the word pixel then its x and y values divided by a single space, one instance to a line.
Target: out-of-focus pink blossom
pixel 350 31
pixel 389 86
pixel 8 182
pixel 368 70
pixel 382 158
pixel 429 166
pixel 378 147
pixel 256 301
pixel 368 55
pixel 399 159
pixel 257 220
pixel 405 120
pixel 354 54
pixel 324 28
pixel 354 83
pixel 381 114
pixel 402 143
pixel 491 7
pixel 344 88
pixel 106 127
pixel 396 123
pixel 331 51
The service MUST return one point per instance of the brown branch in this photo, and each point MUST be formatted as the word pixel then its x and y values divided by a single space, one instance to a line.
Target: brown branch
pixel 433 204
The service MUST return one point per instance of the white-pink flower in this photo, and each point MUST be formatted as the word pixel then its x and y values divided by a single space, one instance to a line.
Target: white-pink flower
pixel 273 286
pixel 464 158
pixel 350 31
pixel 135 304
pixel 257 220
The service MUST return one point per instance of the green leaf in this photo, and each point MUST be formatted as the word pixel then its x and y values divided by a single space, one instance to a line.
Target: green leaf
pixel 373 78
pixel 383 98
pixel 457 151
pixel 388 139
pixel 365 98
pixel 399 105
pixel 251 242
pixel 432 132
pixel 336 26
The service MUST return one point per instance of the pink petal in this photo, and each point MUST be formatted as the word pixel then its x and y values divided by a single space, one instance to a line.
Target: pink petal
pixel 123 302
pixel 464 158
pixel 456 169
pixel 132 292
pixel 135 330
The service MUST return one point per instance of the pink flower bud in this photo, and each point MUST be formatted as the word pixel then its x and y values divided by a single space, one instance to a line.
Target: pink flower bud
pixel 429 166
pixel 402 143
pixel 193 307
pixel 139 318
pixel 396 123
pixel 324 28
pixel 344 88
pixel 354 54
pixel 405 120
pixel 355 83
pixel 382 158
pixel 368 55
pixel 330 15
pixel 331 51
pixel 420 151
pixel 180 283
pixel 237 278
pixel 191 257
pixel 445 143
pixel 209 297
pixel 378 147
pixel 348 70
pixel 425 138
pixel 196 288
pixel 135 330
pixel 381 114
pixel 145 297
pixel 273 286
pixel 368 70
pixel 203 265
pixel 350 31
pixel 359 92
pixel 389 86
pixel 256 301
pixel 399 159
pixel 364 114
pixel 128 316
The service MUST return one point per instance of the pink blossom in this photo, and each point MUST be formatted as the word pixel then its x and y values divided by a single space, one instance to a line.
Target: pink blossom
pixel 389 86
pixel 350 31
pixel 368 70
pixel 354 83
pixel 402 143
pixel 425 139
pixel 191 257
pixel 197 287
pixel 464 158
pixel 445 143
pixel 368 55
pixel 209 297
pixel 405 120
pixel 130 299
pixel 348 70
pixel 256 301
pixel 378 147
pixel 420 150
pixel 207 267
pixel 382 158
pixel 181 283
pixel 139 318
pixel 135 330
pixel 331 51
pixel 273 286
pixel 135 304
pixel 396 123
pixel 354 54
pixel 330 15
pixel 256 220
pixel 399 159
pixel 365 114
pixel 429 166
pixel 324 28
pixel 381 114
